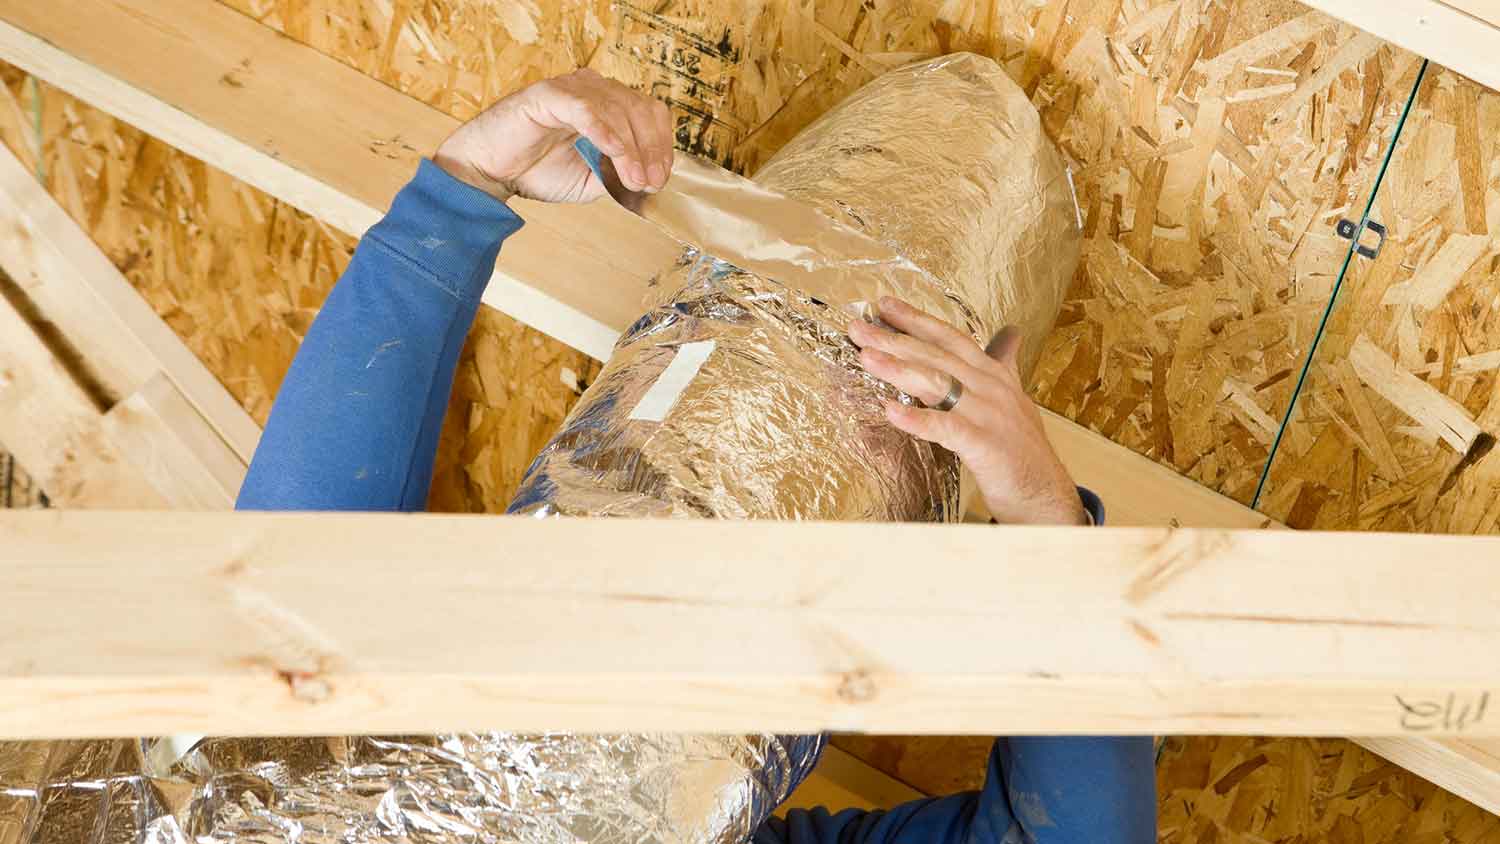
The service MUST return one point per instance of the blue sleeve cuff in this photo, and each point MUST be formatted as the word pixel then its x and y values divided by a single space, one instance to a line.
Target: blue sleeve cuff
pixel 1093 504
pixel 449 231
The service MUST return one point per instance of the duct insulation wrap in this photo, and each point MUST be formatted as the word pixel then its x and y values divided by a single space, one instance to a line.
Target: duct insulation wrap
pixel 493 787
pixel 738 395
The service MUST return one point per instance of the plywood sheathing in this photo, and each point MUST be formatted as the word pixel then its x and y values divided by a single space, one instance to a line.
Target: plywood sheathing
pixel 1396 426
pixel 1262 790
pixel 1243 129
pixel 240 276
pixel 778 66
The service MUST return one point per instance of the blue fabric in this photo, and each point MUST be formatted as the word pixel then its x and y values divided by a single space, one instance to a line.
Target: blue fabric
pixel 1041 790
pixel 355 427
pixel 356 421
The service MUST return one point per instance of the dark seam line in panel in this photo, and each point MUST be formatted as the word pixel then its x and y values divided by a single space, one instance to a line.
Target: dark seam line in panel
pixel 1338 283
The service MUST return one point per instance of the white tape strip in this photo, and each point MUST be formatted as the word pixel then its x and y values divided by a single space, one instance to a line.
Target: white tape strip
pixel 658 401
pixel 1073 189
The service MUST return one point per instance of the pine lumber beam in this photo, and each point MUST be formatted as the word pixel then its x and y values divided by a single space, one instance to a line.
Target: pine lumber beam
pixel 1138 491
pixel 55 428
pixel 76 287
pixel 323 137
pixel 171 435
pixel 1467 767
pixel 338 145
pixel 1463 35
pixel 308 624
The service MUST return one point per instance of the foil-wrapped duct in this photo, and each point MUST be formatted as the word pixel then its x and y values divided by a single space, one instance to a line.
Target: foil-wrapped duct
pixel 492 787
pixel 737 395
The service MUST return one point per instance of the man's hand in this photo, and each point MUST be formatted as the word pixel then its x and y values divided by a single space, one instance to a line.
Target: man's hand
pixel 995 429
pixel 523 144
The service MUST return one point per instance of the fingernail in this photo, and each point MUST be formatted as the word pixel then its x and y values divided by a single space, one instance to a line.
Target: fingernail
pixel 657 174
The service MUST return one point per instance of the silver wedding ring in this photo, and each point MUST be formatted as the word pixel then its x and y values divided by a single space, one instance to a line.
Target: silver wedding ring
pixel 955 392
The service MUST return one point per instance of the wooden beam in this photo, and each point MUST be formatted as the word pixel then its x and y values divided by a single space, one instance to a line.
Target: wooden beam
pixel 324 137
pixel 76 287
pixel 322 623
pixel 1467 767
pixel 1454 33
pixel 172 436
pixel 55 429
pixel 1138 491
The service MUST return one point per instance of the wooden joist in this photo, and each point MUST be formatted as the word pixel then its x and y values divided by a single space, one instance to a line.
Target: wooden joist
pixel 345 623
pixel 339 144
pixel 324 148
pixel 55 428
pixel 75 286
pixel 323 137
pixel 132 419
pixel 1463 35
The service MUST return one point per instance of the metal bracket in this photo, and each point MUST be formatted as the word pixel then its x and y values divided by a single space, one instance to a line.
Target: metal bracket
pixel 1350 230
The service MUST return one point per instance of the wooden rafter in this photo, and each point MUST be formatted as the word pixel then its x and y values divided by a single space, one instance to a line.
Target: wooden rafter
pixel 1147 494
pixel 156 429
pixel 238 95
pixel 337 623
pixel 1463 35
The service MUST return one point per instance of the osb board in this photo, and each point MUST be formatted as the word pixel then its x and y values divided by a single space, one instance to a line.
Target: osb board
pixel 1237 789
pixel 1241 789
pixel 1243 128
pixel 1394 429
pixel 240 277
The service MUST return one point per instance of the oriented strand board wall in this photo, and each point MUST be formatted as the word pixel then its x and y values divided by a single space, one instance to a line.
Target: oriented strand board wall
pixel 1395 428
pixel 1241 129
pixel 1217 143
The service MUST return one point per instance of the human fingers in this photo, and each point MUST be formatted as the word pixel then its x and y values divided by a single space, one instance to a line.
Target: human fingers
pixel 924 326
pixel 949 430
pixel 914 350
pixel 653 125
pixel 583 102
pixel 648 123
pixel 930 386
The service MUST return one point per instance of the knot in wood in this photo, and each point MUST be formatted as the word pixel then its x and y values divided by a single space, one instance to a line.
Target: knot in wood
pixel 857 686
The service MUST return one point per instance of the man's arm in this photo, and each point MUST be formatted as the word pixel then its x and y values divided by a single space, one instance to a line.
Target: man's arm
pixel 356 421
pixel 1037 791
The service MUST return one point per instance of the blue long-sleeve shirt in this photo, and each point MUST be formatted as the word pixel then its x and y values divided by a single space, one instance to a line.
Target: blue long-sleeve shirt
pixel 355 427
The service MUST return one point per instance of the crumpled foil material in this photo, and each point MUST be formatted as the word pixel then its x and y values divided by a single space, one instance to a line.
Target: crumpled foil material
pixel 491 787
pixel 933 183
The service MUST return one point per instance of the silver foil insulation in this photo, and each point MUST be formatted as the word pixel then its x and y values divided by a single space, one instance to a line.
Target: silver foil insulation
pixel 492 787
pixel 737 395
